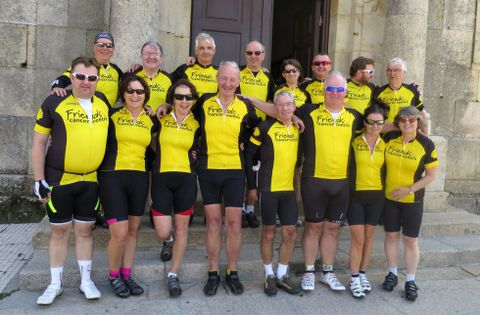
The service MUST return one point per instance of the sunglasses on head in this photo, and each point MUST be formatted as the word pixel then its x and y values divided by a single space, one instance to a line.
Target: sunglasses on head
pixel 257 53
pixel 187 97
pixel 83 77
pixel 290 71
pixel 368 71
pixel 332 88
pixel 138 91
pixel 405 119
pixel 374 122
pixel 104 45
pixel 321 63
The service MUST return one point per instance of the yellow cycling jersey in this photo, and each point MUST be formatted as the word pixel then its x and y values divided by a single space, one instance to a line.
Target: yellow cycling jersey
pixel 159 85
pixel 128 140
pixel 368 167
pixel 222 132
pixel 77 144
pixel 204 78
pixel 314 90
pixel 406 162
pixel 326 141
pixel 359 95
pixel 257 84
pixel 278 145
pixel 108 81
pixel 175 143
pixel 406 95
pixel 298 94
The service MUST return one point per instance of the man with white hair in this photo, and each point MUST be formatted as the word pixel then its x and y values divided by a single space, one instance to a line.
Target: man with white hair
pixel 398 94
pixel 202 73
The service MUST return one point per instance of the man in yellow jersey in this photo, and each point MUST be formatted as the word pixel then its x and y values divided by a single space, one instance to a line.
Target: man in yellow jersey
pixel 359 88
pixel 224 121
pixel 329 130
pixel 255 82
pixel 202 73
pixel 398 94
pixel 109 73
pixel 277 142
pixel 321 66
pixel 66 177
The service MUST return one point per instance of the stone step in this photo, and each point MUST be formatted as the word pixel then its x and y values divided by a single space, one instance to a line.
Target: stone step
pixel 453 222
pixel 442 251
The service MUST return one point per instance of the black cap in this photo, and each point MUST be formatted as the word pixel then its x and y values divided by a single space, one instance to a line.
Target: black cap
pixel 106 35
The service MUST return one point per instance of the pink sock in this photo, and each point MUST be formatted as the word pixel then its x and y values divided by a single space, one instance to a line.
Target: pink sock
pixel 125 273
pixel 114 274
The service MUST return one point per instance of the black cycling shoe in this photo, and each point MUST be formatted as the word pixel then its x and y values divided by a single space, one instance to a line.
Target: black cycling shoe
pixel 134 288
pixel 270 285
pixel 391 280
pixel 244 220
pixel 174 288
pixel 167 250
pixel 252 220
pixel 233 282
pixel 411 290
pixel 119 288
pixel 213 281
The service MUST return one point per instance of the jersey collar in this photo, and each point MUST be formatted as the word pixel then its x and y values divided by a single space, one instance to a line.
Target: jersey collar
pixel 205 67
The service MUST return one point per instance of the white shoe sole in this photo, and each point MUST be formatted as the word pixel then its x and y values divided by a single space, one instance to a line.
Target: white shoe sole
pixel 333 288
pixel 51 302
pixel 90 298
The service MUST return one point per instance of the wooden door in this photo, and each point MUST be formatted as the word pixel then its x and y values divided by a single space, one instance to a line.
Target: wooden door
pixel 232 23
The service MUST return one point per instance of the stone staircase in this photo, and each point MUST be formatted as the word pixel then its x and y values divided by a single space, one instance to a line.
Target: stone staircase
pixel 449 237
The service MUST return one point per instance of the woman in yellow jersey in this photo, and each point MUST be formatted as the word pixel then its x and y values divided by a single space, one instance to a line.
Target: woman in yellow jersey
pixel 292 74
pixel 368 196
pixel 158 80
pixel 123 181
pixel 411 164
pixel 174 182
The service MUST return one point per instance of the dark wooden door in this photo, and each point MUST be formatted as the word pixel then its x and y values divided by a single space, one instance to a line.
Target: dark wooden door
pixel 232 23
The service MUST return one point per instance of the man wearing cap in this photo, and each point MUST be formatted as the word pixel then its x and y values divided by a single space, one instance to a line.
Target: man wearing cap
pixel 109 74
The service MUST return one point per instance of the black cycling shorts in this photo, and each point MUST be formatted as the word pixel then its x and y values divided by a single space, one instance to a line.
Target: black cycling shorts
pixel 226 184
pixel 325 199
pixel 173 191
pixel 407 216
pixel 366 207
pixel 123 193
pixel 283 203
pixel 78 200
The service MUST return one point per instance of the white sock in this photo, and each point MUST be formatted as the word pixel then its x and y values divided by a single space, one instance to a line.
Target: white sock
pixel 250 209
pixel 281 271
pixel 309 267
pixel 170 239
pixel 268 270
pixel 85 270
pixel 410 277
pixel 171 274
pixel 393 270
pixel 56 274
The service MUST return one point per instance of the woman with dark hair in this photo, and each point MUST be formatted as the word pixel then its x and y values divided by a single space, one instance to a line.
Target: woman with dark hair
pixel 123 181
pixel 174 182
pixel 411 164
pixel 292 74
pixel 367 197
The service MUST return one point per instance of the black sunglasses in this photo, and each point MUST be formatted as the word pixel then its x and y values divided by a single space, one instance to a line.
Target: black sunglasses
pixel 257 53
pixel 106 45
pixel 179 97
pixel 138 91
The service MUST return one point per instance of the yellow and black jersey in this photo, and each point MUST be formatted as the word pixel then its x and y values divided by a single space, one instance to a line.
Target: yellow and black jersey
pixel 108 82
pixel 406 95
pixel 278 146
pixel 203 77
pixel 77 144
pixel 258 84
pixel 314 90
pixel 300 96
pixel 221 133
pixel 175 143
pixel 159 85
pixel 326 141
pixel 359 95
pixel 406 162
pixel 368 168
pixel 128 140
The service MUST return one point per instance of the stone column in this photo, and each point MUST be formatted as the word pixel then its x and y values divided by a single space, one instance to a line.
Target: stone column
pixel 405 36
pixel 133 22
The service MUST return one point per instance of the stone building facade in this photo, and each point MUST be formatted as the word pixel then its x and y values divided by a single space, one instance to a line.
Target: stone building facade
pixel 439 39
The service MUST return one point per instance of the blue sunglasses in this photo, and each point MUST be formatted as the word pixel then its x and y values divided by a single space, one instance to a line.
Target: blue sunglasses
pixel 332 88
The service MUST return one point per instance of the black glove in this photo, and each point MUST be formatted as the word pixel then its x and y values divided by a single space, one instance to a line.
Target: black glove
pixel 41 189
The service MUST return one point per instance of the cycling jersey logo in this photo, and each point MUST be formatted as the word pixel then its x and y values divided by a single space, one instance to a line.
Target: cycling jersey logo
pixel 173 124
pixel 107 77
pixel 127 121
pixel 157 88
pixel 316 92
pixel 253 80
pixel 39 114
pixel 282 137
pixel 199 76
pixel 216 111
pixel 329 121
pixel 401 153
pixel 79 116
pixel 434 154
pixel 358 95
pixel 256 132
